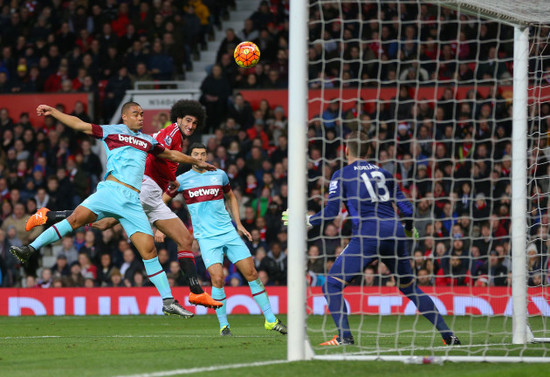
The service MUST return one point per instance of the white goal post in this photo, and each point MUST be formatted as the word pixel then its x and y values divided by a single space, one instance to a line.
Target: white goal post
pixel 520 15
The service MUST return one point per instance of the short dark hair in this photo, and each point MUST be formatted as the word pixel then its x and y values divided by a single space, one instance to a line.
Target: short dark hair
pixel 358 144
pixel 188 107
pixel 127 105
pixel 196 145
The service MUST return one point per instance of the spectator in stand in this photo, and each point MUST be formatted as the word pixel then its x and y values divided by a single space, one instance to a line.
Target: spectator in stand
pixel 228 44
pixel 495 272
pixel 75 279
pixel 175 270
pixel 53 83
pixel 215 91
pixel 263 16
pixel 116 278
pixel 420 262
pixel 116 87
pixel 79 179
pixel 423 278
pixel 45 280
pixel 203 13
pixel 91 164
pixel 30 281
pixel 67 249
pixel 256 242
pixel 328 244
pixel 248 32
pixel 104 271
pixel 60 269
pixel 240 111
pixel 315 262
pixel 142 74
pixel 9 264
pixel 18 220
pixel 130 265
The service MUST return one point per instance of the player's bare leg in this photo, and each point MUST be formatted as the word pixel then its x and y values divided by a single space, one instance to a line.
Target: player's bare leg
pixel 176 230
pixel 246 267
pixel 146 248
pixel 80 216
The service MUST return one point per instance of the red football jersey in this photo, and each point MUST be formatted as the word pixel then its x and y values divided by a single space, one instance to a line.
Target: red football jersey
pixel 159 169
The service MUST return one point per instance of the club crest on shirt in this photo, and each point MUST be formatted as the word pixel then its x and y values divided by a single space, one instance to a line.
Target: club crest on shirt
pixel 333 186
pixel 214 179
pixel 168 140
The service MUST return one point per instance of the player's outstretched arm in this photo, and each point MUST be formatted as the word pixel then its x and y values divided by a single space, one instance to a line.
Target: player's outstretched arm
pixel 182 158
pixel 69 120
pixel 234 208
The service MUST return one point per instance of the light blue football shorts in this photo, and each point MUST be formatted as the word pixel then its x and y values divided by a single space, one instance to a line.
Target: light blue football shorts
pixel 115 200
pixel 230 244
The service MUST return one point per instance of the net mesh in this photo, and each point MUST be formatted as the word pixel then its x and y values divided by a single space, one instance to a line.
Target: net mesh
pixel 432 87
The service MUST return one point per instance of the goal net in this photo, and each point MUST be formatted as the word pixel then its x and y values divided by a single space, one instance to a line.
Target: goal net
pixel 467 140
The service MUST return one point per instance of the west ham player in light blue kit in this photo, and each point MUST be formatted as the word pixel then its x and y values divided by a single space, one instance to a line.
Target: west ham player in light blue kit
pixel 369 193
pixel 204 193
pixel 118 195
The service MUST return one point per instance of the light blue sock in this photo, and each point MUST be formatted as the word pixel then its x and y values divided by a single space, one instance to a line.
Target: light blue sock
pixel 259 294
pixel 218 294
pixel 158 277
pixel 52 234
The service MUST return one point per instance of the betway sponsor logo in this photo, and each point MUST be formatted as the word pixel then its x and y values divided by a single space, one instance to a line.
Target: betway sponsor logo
pixel 132 140
pixel 204 192
pixel 114 141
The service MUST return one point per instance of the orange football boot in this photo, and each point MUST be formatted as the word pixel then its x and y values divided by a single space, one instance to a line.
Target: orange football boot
pixel 39 218
pixel 204 299
pixel 337 341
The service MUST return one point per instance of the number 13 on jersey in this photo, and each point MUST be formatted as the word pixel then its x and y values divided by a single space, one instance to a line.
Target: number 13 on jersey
pixel 382 194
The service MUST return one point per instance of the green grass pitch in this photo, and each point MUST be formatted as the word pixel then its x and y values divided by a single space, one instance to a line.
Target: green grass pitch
pixel 154 346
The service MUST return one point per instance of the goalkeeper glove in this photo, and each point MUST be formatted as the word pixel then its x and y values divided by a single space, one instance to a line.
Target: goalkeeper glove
pixel 413 233
pixel 285 219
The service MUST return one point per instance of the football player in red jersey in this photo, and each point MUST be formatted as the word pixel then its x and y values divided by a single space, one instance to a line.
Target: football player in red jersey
pixel 186 116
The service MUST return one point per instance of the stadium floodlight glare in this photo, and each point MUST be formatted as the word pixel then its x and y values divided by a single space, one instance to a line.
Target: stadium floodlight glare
pixel 508 324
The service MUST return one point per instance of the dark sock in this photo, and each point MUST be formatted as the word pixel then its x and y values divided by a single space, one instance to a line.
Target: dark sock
pixel 56 216
pixel 333 290
pixel 187 266
pixel 427 308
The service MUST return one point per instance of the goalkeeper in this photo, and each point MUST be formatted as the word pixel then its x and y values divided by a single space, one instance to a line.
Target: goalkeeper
pixel 369 194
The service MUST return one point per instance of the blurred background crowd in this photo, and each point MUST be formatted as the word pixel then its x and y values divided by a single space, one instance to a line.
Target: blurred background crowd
pixel 451 155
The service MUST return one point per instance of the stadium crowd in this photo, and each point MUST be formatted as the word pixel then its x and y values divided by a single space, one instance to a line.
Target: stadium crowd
pixel 450 155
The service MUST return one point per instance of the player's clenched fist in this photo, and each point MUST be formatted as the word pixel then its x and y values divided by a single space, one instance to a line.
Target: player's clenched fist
pixel 44 110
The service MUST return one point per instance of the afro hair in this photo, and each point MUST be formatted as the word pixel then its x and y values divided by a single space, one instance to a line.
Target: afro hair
pixel 187 107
